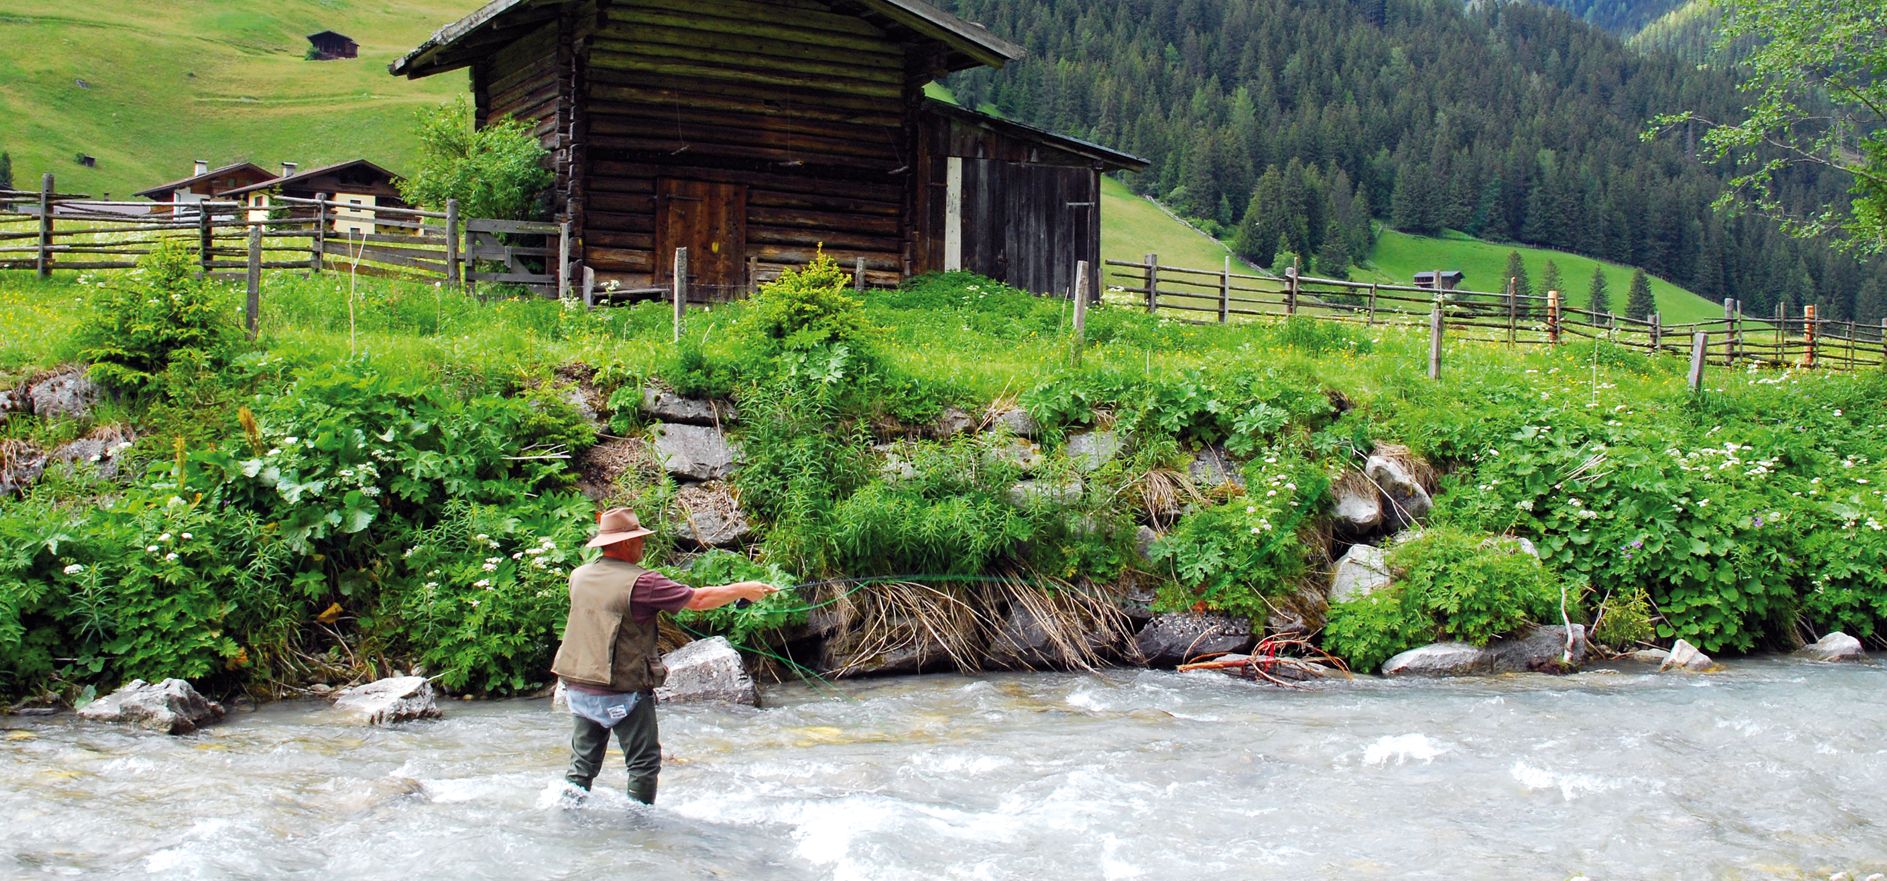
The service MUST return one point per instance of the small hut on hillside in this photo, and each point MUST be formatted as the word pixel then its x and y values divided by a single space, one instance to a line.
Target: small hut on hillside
pixel 1450 279
pixel 754 131
pixel 329 46
pixel 356 183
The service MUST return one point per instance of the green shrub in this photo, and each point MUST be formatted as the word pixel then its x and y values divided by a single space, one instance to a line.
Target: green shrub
pixel 141 321
pixel 1450 585
pixel 808 308
pixel 494 171
pixel 1233 555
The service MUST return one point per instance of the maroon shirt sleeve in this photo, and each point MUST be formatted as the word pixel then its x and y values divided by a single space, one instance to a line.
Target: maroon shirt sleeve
pixel 654 592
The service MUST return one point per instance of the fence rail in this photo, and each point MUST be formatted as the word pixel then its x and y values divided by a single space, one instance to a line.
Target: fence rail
pixel 1210 296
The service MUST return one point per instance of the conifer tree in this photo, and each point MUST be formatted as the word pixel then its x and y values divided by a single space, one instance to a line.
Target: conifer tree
pixel 1870 304
pixel 1550 281
pixel 1639 303
pixel 1517 270
pixel 1333 257
pixel 6 171
pixel 1598 296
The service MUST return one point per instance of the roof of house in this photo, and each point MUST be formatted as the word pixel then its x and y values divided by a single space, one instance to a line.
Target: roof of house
pixel 194 179
pixel 1110 159
pixel 302 176
pixel 331 34
pixel 500 21
pixel 1446 275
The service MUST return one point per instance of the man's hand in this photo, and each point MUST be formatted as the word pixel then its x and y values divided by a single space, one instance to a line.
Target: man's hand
pixel 722 594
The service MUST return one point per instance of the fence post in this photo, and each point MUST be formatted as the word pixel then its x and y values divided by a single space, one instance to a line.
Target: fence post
pixel 1699 343
pixel 1081 308
pixel 1371 320
pixel 1513 313
pixel 858 276
pixel 1883 344
pixel 1808 334
pixel 1153 283
pixel 45 226
pixel 681 289
pixel 1434 342
pixel 563 261
pixel 206 238
pixel 320 233
pixel 1729 328
pixel 1225 292
pixel 1552 318
pixel 254 304
pixel 452 243
pixel 1657 333
pixel 1290 296
pixel 589 288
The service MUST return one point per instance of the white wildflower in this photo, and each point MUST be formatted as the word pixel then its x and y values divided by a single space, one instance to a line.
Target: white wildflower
pixel 171 556
pixel 482 582
pixel 74 569
pixel 151 550
pixel 1524 504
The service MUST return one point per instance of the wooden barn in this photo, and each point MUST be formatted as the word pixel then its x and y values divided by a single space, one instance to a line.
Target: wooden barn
pixel 754 131
pixel 357 183
pixel 330 46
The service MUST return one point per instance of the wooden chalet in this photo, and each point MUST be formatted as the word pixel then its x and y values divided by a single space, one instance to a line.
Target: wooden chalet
pixel 754 131
pixel 359 183
pixel 206 184
pixel 330 46
pixel 1450 279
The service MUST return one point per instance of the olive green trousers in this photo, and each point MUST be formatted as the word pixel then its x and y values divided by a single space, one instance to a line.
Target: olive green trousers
pixel 641 750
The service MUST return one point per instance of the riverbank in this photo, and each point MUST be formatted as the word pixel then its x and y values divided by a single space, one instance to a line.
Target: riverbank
pixel 1767 770
pixel 402 479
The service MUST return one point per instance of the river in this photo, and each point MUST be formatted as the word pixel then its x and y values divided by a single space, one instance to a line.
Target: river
pixel 1771 769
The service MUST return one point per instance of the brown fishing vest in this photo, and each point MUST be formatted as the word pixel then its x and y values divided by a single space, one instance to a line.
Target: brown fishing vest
pixel 603 646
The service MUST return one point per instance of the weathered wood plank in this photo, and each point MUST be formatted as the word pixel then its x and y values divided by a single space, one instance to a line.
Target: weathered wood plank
pixel 758 18
pixel 799 217
pixel 700 38
pixel 833 64
pixel 728 72
pixel 632 87
pixel 780 154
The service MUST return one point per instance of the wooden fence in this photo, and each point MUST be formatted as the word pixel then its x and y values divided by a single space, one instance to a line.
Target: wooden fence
pixel 46 230
pixel 1218 295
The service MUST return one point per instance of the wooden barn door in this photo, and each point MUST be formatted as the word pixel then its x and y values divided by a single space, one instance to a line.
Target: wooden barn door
pixel 710 220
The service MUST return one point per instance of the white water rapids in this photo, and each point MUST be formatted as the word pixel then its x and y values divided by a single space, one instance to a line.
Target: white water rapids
pixel 1773 769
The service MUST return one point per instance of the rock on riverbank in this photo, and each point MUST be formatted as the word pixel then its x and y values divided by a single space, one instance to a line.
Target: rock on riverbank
pixel 170 706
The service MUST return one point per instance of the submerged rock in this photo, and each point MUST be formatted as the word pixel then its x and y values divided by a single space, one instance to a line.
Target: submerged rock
pixel 1363 570
pixel 1647 656
pixel 389 701
pixel 707 670
pixel 694 452
pixel 1283 668
pixel 667 406
pixel 70 394
pixel 170 706
pixel 1836 646
pixel 1438 659
pixel 1686 657
pixel 1409 501
pixel 1172 639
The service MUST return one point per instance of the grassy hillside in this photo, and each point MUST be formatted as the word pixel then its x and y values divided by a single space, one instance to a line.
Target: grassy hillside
pixel 1132 228
pixel 1398 256
pixel 213 79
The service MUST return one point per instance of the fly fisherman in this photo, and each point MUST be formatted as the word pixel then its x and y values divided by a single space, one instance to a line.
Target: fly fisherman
pixel 608 662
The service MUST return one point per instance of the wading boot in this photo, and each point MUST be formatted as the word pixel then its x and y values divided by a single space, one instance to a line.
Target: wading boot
pixel 643 790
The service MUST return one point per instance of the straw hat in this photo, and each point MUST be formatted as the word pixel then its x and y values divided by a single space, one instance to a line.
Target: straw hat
pixel 617 524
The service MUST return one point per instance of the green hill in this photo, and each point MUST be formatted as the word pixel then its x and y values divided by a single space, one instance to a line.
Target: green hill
pixel 1132 228
pixel 214 79
pixel 1398 256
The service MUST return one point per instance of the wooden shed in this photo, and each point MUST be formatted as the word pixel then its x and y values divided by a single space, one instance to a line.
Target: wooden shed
pixel 753 132
pixel 329 46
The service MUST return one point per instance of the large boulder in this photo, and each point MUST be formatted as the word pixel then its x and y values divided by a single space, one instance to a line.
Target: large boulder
pixel 1092 449
pixel 13 401
pixel 707 670
pixel 1025 641
pixel 1836 646
pixel 1409 501
pixel 21 464
pixel 710 515
pixel 1687 658
pixel 1358 509
pixel 1019 453
pixel 70 394
pixel 1016 422
pixel 389 701
pixel 1541 650
pixel 951 422
pixel 694 452
pixel 1172 639
pixel 99 453
pixel 1211 467
pixel 666 406
pixel 170 706
pixel 1359 573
